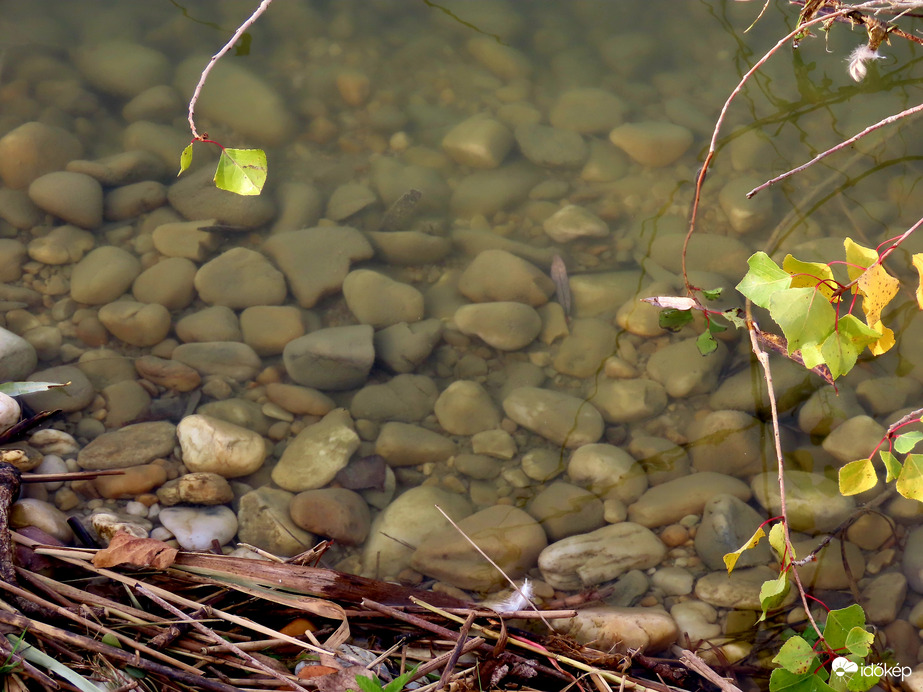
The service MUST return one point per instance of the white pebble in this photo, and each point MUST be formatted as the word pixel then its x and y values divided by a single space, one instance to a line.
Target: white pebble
pixel 161 533
pixel 137 509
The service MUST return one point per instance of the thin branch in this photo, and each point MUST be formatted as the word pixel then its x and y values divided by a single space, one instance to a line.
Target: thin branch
pixel 842 145
pixel 215 58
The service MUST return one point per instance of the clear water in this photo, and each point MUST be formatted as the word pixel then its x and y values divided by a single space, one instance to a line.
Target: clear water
pixel 665 60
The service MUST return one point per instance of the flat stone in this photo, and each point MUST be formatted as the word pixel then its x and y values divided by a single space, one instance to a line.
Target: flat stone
pixel 315 261
pixel 349 199
pixel 34 149
pixel 558 417
pixel 168 373
pixel 405 398
pixel 264 521
pixel 335 513
pixel 745 215
pixel 381 301
pixel 479 142
pixel 587 111
pixel 727 524
pixel 578 562
pixel 498 275
pixel 267 329
pixel 334 358
pixel 654 144
pixel 403 347
pixel 74 397
pixel 572 222
pixel 198 488
pixel 684 371
pixel 227 358
pixel 215 446
pixel 135 444
pixel 509 536
pixel 217 323
pixel 550 147
pixel 740 590
pixel 856 438
pixel 587 345
pixel 650 630
pixel 408 248
pixel 489 191
pixel 465 408
pixel 240 278
pixel 123 168
pixel 813 501
pixel 73 197
pixel 197 528
pixel 402 444
pixel 317 453
pixel 912 560
pixel 505 325
pixel 120 67
pixel 138 324
pixel 130 201
pixel 104 275
pixel 629 401
pixel 500 58
pixel 299 400
pixel 134 481
pixel 731 442
pixel 565 510
pixel 669 502
pixel 17 357
pixel 168 283
pixel 185 239
pixel 608 472
pixel 196 197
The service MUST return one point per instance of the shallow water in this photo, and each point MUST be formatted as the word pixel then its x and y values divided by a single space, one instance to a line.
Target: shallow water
pixel 367 94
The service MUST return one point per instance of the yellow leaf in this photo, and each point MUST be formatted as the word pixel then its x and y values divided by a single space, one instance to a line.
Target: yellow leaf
pixel 730 559
pixel 877 288
pixel 810 275
pixel 884 344
pixel 858 258
pixel 918 265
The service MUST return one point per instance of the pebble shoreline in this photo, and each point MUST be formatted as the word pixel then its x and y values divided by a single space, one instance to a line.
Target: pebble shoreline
pixel 280 369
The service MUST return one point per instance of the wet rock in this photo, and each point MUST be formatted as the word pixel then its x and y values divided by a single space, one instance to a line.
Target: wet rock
pixel 184 239
pixel 134 481
pixel 578 562
pixel 42 515
pixel 268 328
pixel 379 301
pixel 211 445
pixel 573 222
pixel 107 524
pixel 883 396
pixel 103 275
pixel 479 142
pixel 126 401
pixel 405 398
pixel 402 248
pixel 354 87
pixel 392 179
pixel 496 443
pixel 261 118
pixel 587 111
pixel 827 571
pixel 669 502
pixel 746 390
pixel 403 347
pixel 299 400
pixel 217 323
pixel 731 442
pixel 18 210
pixel 132 445
pixel 225 358
pixel 120 67
pixel 34 149
pixel 12 254
pixel 300 206
pixel 856 438
pixel 542 464
pixel 51 441
pixel 509 536
pixel 195 197
pixel 334 358
pixel 740 590
pixel 650 630
pixel 17 357
pixel 168 373
pixel 826 409
pixel 653 144
pixel 349 199
pixel 582 351
pixel 130 201
pixel 673 581
pixel 883 597
pixel 912 560
pixel 684 371
pixel 168 283
pixel 490 191
pixel 605 163
pixel 745 215
pixel 315 261
pixel 608 472
pixel 505 325
pixel 75 396
pixel 498 275
pixel 243 412
pixel 477 466
pixel 317 453
pixel 565 510
pixel 123 168
pixel 558 417
pixel 727 524
pixel 198 528
pixel 134 323
pixel 465 408
pixel 240 278
pixel 402 444
pixel 551 147
pixel 813 501
pixel 73 197
pixel 629 401
pixel 696 620
pixel 500 58
pixel 264 521
pixel 410 518
pixel 598 295
pixel 335 513
pixel 198 488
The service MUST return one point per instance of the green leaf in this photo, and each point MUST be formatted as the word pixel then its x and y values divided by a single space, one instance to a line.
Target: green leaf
pixel 841 349
pixel 730 559
pixel 910 481
pixel 706 343
pixel 892 465
pixel 859 641
pixel 782 680
pixel 185 159
pixel 907 441
pixel 777 540
pixel 673 320
pixel 764 279
pixel 857 477
pixel 712 294
pixel 804 316
pixel 810 275
pixel 110 639
pixel 736 317
pixel 839 624
pixel 398 683
pixel 20 388
pixel 773 593
pixel 242 171
pixel 811 355
pixel 368 684
pixel 796 656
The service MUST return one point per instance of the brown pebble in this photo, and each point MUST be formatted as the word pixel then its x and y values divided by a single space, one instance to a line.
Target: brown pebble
pixel 92 332
pixel 674 535
pixel 649 601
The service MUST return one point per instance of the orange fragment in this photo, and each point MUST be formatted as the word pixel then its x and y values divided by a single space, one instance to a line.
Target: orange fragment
pixel 298 626
pixel 315 671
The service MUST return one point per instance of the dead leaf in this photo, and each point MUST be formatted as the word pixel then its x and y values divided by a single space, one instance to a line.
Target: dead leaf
pixel 315 671
pixel 342 680
pixel 671 302
pixel 125 549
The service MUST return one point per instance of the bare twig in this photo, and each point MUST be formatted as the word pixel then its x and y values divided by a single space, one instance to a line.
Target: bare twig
pixel 697 665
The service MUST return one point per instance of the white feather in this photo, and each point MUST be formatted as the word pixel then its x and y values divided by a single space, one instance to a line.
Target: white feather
pixel 516 601
pixel 857 59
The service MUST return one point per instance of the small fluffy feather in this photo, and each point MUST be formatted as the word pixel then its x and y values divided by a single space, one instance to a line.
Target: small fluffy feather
pixel 516 601
pixel 857 59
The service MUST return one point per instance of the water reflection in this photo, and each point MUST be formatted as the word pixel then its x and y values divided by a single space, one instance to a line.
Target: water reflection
pixel 344 333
